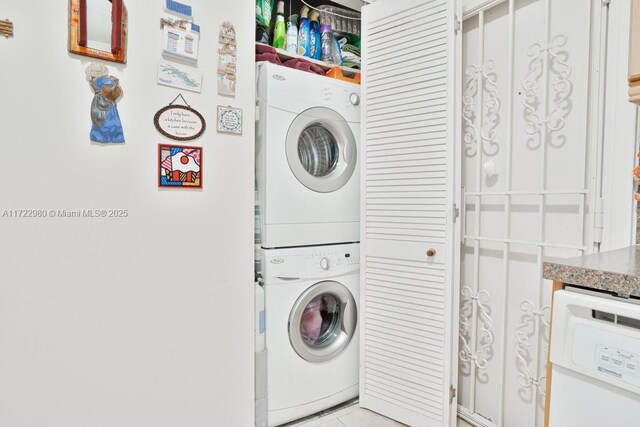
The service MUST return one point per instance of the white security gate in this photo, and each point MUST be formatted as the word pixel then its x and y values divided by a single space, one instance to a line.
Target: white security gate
pixel 528 157
pixel 408 298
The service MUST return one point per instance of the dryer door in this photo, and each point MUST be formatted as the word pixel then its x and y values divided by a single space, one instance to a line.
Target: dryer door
pixel 322 321
pixel 321 149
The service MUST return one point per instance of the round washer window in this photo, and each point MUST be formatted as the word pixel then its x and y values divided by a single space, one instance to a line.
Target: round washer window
pixel 320 321
pixel 321 149
pixel 318 150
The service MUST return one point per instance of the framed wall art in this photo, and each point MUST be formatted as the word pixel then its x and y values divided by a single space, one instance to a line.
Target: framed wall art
pixel 229 120
pixel 179 166
pixel 98 28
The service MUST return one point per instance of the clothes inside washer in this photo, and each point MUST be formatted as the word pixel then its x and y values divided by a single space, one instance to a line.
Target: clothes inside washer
pixel 320 321
pixel 311 323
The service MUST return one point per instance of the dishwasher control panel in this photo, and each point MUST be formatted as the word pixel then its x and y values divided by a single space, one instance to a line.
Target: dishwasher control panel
pixel 607 353
pixel 617 363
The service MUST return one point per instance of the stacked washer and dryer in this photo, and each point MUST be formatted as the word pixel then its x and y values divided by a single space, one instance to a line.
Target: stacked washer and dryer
pixel 308 190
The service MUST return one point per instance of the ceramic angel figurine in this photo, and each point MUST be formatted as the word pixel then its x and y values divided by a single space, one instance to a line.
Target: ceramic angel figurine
pixel 107 126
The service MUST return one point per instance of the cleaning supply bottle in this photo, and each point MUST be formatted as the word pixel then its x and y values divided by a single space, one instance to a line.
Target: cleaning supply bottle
pixel 336 53
pixel 304 47
pixel 327 42
pixel 279 41
pixel 315 38
pixel 263 20
pixel 292 34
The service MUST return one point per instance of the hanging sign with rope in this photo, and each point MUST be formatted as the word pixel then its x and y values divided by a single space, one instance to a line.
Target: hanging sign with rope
pixel 179 122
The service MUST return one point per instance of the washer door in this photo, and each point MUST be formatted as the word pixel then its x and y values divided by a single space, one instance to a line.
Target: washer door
pixel 321 149
pixel 322 321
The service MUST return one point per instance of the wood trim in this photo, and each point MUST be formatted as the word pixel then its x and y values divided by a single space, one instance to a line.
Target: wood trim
pixel 634 92
pixel 83 23
pixel 116 27
pixel 547 396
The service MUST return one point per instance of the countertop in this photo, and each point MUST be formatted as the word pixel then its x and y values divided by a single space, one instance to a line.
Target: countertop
pixel 615 271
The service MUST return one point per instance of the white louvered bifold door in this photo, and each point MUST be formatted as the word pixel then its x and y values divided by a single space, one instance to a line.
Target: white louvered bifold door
pixel 408 297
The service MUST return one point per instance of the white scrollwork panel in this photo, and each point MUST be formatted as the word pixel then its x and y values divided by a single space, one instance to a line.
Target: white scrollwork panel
pixel 485 335
pixel 559 91
pixel 470 134
pixel 481 78
pixel 532 320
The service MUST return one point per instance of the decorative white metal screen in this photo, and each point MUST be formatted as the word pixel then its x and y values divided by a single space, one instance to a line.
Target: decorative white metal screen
pixel 527 193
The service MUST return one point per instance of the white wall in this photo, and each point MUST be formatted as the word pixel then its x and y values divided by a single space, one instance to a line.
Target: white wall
pixel 619 136
pixel 143 321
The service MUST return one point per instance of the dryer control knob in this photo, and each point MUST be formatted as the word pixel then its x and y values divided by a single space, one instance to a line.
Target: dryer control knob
pixel 325 263
pixel 354 99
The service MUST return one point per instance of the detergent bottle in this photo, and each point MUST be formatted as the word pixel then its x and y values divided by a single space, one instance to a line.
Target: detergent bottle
pixel 315 38
pixel 304 47
pixel 292 34
pixel 279 31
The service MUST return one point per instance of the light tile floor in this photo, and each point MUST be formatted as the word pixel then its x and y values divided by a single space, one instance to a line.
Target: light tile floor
pixel 353 416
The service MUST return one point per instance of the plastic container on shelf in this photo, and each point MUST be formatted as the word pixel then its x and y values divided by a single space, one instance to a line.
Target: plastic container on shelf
pixel 336 73
pixel 341 20
pixel 292 34
pixel 279 32
pixel 327 42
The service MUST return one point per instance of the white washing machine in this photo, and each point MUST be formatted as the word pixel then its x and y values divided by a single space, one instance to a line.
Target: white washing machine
pixel 311 329
pixel 307 144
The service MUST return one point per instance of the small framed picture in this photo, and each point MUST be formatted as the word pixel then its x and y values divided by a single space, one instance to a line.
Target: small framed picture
pixel 179 166
pixel 229 120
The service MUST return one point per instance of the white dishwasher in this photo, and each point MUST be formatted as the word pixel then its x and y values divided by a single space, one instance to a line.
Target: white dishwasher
pixel 595 356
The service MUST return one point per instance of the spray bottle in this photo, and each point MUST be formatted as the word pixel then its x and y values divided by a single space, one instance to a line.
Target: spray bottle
pixel 315 38
pixel 292 34
pixel 279 38
pixel 304 47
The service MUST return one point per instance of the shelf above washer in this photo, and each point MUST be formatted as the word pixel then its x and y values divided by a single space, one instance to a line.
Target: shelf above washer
pixel 285 56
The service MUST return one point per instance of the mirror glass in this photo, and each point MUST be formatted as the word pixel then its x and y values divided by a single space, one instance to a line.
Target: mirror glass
pixel 99 24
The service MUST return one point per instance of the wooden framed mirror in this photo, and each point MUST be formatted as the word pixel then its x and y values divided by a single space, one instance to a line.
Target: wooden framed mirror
pixel 98 28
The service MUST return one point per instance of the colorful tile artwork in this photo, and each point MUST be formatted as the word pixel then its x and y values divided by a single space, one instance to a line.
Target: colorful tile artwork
pixel 179 166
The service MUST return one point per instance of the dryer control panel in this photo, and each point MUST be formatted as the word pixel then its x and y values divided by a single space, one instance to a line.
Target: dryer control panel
pixel 333 260
pixel 315 262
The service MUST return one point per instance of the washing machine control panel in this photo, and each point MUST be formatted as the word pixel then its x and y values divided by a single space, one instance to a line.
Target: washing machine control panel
pixel 319 262
pixel 330 261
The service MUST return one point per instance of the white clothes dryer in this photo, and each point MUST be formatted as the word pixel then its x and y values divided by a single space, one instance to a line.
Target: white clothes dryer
pixel 311 309
pixel 307 145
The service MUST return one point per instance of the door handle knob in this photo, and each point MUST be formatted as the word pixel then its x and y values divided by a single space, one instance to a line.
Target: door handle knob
pixel 431 252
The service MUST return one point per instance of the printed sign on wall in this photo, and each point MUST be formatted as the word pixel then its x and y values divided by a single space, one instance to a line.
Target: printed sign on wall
pixel 229 120
pixel 179 122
